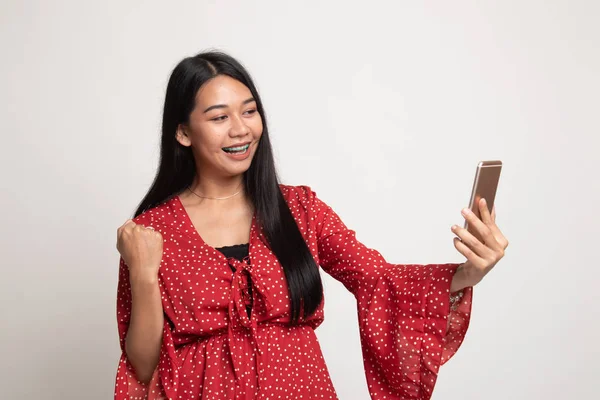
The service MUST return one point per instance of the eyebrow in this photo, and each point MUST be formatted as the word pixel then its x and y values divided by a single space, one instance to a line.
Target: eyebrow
pixel 250 100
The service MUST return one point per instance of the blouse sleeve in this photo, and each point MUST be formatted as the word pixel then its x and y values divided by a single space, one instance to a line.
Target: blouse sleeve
pixel 407 327
pixel 164 379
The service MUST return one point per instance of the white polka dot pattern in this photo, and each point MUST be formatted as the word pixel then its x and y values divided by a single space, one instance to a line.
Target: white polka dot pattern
pixel 212 350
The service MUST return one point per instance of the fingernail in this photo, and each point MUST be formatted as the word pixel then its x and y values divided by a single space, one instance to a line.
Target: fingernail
pixel 465 211
pixel 483 202
pixel 454 227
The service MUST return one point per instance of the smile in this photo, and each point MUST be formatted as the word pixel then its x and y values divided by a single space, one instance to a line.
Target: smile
pixel 236 150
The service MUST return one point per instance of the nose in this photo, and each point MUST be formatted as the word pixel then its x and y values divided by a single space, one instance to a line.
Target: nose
pixel 238 127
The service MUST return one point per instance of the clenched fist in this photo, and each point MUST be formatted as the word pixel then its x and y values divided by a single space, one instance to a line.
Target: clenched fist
pixel 141 248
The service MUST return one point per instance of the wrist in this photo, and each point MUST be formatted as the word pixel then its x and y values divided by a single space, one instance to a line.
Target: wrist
pixel 143 278
pixel 459 279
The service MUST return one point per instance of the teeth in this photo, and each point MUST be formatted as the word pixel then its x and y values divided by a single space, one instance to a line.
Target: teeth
pixel 236 149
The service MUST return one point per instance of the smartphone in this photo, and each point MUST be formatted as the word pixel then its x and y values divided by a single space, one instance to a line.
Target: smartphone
pixel 485 186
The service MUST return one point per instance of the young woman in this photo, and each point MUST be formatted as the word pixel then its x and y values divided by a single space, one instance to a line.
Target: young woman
pixel 219 287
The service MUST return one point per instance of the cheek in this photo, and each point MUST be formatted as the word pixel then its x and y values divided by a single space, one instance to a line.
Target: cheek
pixel 257 128
pixel 208 138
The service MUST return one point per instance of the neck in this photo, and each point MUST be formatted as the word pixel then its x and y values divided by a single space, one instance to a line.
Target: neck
pixel 217 188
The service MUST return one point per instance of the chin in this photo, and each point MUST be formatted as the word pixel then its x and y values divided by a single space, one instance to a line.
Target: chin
pixel 231 172
pixel 233 168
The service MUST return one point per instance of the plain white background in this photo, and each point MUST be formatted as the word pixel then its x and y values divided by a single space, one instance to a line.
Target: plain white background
pixel 384 108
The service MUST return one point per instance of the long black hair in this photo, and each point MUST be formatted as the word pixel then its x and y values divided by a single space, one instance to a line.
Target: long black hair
pixel 177 170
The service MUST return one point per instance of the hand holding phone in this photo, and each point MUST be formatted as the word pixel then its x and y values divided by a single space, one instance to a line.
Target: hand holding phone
pixel 481 241
pixel 485 186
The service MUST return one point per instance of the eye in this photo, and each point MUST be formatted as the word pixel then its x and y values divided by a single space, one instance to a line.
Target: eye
pixel 220 118
pixel 250 112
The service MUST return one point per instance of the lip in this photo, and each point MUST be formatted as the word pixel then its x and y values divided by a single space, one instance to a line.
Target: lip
pixel 236 145
pixel 237 156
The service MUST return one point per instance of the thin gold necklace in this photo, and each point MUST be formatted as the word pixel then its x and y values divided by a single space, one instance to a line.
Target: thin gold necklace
pixel 214 198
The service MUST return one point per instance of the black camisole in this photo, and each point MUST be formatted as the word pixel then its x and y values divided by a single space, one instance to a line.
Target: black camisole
pixel 238 251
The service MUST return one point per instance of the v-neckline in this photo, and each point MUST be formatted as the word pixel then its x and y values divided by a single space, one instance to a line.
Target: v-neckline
pixel 190 224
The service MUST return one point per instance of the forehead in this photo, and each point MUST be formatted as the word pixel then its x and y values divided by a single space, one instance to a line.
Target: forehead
pixel 222 90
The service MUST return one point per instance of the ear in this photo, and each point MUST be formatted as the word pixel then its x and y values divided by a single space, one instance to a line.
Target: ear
pixel 182 136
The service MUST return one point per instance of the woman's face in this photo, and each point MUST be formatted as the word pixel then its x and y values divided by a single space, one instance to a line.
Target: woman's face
pixel 224 128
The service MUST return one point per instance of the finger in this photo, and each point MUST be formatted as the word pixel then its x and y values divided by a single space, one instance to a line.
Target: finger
pixel 467 252
pixel 139 227
pixel 126 224
pixel 150 230
pixel 485 212
pixel 472 242
pixel 500 238
pixel 482 229
pixel 120 229
pixel 490 222
pixel 495 230
pixel 129 224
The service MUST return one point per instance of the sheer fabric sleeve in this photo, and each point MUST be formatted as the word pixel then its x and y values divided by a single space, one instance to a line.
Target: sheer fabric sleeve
pixel 163 384
pixel 407 328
